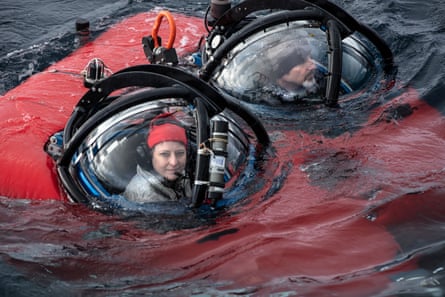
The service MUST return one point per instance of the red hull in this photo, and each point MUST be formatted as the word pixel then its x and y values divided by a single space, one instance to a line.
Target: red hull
pixel 308 233
pixel 40 106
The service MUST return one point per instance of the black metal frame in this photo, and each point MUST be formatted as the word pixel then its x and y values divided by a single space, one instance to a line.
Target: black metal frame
pixel 168 82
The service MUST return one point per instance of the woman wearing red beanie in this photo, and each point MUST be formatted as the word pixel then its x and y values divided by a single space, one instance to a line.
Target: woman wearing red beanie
pixel 166 181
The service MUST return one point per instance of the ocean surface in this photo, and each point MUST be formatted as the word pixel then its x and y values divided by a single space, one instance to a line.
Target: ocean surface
pixel 358 232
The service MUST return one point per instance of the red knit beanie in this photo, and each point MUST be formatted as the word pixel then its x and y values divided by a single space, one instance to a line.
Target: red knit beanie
pixel 166 132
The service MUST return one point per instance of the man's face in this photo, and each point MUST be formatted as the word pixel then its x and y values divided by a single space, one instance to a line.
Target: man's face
pixel 301 74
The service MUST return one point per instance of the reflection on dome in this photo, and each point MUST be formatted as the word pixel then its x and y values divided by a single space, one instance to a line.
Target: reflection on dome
pixel 279 52
pixel 288 63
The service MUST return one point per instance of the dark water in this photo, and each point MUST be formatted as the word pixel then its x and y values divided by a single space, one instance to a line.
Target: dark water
pixel 35 34
pixel 52 248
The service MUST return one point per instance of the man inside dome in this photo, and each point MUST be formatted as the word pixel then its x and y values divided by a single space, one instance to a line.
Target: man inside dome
pixel 301 76
pixel 284 70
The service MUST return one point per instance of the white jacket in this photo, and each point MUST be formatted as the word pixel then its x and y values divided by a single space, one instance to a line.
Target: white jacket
pixel 146 186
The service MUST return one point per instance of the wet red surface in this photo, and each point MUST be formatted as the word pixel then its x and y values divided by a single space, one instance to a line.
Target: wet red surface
pixel 327 228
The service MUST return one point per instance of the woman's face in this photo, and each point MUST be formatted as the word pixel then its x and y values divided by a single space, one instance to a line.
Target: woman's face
pixel 169 159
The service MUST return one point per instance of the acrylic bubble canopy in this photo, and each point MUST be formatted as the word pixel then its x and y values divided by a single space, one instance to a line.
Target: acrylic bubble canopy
pixel 252 46
pixel 106 137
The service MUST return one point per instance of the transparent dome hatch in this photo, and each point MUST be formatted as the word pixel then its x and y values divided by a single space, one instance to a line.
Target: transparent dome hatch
pixel 106 160
pixel 108 157
pixel 109 140
pixel 288 63
pixel 295 51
